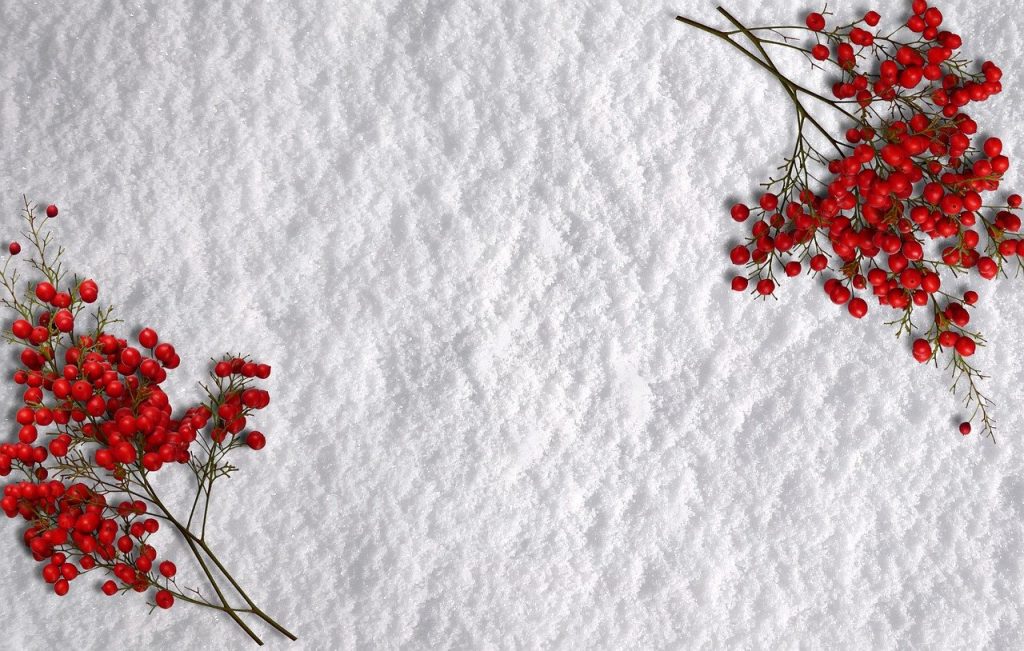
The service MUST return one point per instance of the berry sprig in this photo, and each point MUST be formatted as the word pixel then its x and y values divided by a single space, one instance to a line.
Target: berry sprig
pixel 96 426
pixel 893 208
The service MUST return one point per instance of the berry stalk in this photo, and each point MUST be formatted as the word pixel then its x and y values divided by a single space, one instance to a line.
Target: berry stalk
pixel 894 204
pixel 88 493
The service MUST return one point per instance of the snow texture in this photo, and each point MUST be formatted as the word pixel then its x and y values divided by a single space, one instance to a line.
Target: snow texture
pixel 514 403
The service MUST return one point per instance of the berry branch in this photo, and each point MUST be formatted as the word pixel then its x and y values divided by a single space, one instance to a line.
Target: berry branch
pixel 901 205
pixel 88 494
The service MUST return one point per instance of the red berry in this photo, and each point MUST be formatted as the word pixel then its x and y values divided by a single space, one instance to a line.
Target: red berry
pixel 792 268
pixel 21 329
pixel 819 262
pixel 993 147
pixel 164 599
pixel 88 290
pixel 815 22
pixel 740 212
pixel 256 440
pixel 965 346
pixel 168 569
pixel 739 284
pixel 147 337
pixel 51 210
pixel 61 586
pixel 765 286
pixel 739 255
pixel 45 292
pixel 970 297
pixel 820 52
pixel 769 201
pixel 872 18
pixel 965 428
pixel 109 588
pixel 14 248
pixel 858 308
pixel 922 350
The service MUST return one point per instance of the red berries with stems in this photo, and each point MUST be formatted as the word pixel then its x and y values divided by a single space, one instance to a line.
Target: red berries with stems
pixel 95 422
pixel 902 198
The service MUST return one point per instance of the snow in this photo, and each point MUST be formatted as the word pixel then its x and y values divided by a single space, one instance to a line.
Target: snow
pixel 514 403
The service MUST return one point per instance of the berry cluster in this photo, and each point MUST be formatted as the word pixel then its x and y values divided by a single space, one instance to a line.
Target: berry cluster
pixel 96 425
pixel 902 209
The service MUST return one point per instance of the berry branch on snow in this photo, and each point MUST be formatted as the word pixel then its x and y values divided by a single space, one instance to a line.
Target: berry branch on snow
pixel 894 206
pixel 95 428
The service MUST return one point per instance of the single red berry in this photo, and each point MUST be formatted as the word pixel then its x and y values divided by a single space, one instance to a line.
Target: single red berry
pixel 858 308
pixel 168 569
pixel 256 440
pixel 109 588
pixel 88 290
pixel 51 210
pixel 792 268
pixel 922 350
pixel 147 337
pixel 740 212
pixel 739 255
pixel 739 284
pixel 872 18
pixel 815 22
pixel 45 292
pixel 21 329
pixel 965 346
pixel 1013 201
pixel 970 297
pixel 14 248
pixel 821 53
pixel 993 147
pixel 965 428
pixel 164 599
pixel 61 586
pixel 769 201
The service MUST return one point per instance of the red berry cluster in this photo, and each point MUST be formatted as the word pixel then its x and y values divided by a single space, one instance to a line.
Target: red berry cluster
pixel 95 425
pixel 902 210
pixel 73 523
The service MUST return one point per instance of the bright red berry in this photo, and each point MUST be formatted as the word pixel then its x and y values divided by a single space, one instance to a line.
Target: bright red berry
pixel 858 307
pixel 256 440
pixel 45 292
pixel 965 428
pixel 164 599
pixel 88 290
pixel 815 22
pixel 965 346
pixel 51 210
pixel 922 350
pixel 740 212
pixel 168 569
pixel 147 338
pixel 14 248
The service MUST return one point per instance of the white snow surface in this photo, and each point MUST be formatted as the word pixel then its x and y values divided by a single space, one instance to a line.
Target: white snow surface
pixel 515 405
